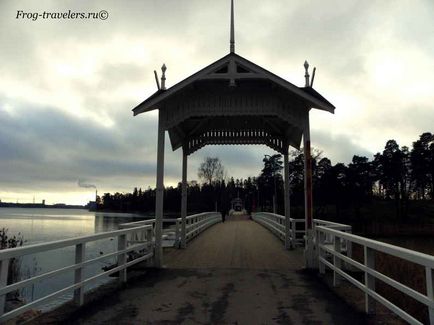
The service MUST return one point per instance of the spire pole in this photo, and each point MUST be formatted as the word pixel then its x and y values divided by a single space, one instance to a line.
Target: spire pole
pixel 232 47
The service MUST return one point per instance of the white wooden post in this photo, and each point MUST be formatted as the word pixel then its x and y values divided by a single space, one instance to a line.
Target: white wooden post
pixel 160 194
pixel 4 268
pixel 320 236
pixel 309 250
pixel 430 291
pixel 122 258
pixel 184 198
pixel 288 241
pixel 149 238
pixel 369 280
pixel 78 274
pixel 349 246
pixel 337 261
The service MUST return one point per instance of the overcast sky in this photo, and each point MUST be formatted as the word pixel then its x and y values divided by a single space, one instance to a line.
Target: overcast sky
pixel 67 86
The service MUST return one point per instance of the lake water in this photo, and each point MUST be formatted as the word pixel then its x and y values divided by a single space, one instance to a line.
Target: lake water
pixel 44 225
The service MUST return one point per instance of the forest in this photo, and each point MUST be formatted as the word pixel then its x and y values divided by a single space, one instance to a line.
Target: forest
pixel 395 184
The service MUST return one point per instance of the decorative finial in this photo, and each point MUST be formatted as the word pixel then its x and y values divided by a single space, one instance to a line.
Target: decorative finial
pixel 163 77
pixel 232 47
pixel 156 80
pixel 306 75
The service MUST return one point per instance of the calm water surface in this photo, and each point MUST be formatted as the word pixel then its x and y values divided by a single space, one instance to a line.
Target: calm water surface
pixel 44 225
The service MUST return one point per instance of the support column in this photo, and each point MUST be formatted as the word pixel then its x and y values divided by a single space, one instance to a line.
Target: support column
pixel 309 248
pixel 288 242
pixel 160 194
pixel 184 199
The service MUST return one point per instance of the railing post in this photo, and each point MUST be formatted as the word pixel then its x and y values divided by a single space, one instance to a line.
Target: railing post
pixel 369 280
pixel 429 274
pixel 78 274
pixel 122 258
pixel 349 246
pixel 321 239
pixel 159 197
pixel 184 198
pixel 4 268
pixel 178 240
pixel 293 233
pixel 289 242
pixel 337 262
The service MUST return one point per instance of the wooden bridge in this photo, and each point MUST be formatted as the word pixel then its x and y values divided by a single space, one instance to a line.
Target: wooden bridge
pixel 236 272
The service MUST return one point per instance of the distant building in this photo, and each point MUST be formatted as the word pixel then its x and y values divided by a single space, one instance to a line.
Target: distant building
pixel 237 204
pixel 59 205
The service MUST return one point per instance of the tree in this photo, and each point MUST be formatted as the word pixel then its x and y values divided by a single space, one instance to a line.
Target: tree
pixel 211 170
pixel 421 158
pixel 271 175
pixel 394 171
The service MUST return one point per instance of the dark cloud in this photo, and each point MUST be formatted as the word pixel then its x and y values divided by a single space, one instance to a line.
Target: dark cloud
pixel 62 128
pixel 338 148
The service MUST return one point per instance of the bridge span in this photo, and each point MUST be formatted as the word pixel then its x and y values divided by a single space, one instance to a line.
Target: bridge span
pixel 236 272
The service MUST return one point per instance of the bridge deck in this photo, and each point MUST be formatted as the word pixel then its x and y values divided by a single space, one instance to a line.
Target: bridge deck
pixel 235 244
pixel 234 273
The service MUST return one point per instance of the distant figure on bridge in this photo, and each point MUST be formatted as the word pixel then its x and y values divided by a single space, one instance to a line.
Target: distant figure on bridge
pixel 224 206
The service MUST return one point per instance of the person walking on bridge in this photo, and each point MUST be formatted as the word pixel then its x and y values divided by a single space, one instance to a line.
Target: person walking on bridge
pixel 224 205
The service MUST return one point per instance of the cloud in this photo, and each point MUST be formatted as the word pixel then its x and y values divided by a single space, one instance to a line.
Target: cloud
pixel 68 86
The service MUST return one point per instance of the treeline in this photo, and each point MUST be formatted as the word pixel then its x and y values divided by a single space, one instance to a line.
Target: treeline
pixel 397 174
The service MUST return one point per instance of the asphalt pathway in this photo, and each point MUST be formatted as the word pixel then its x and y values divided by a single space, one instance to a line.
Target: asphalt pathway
pixel 236 272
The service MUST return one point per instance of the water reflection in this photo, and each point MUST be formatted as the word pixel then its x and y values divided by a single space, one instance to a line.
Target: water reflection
pixel 44 225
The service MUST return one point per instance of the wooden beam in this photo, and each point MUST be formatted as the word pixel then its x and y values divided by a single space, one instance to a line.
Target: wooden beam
pixel 288 243
pixel 184 198
pixel 160 194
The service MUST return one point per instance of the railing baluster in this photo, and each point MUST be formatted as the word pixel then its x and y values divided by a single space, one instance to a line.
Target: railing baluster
pixel 369 279
pixel 293 233
pixel 4 268
pixel 177 233
pixel 429 275
pixel 78 274
pixel 321 253
pixel 337 262
pixel 122 258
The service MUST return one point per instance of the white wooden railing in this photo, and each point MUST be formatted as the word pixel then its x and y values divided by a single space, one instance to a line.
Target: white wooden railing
pixel 276 224
pixel 328 240
pixel 333 257
pixel 194 225
pixel 143 248
pixel 171 232
pixel 197 223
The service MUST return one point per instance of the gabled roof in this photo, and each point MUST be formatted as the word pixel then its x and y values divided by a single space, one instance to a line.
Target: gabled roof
pixel 234 67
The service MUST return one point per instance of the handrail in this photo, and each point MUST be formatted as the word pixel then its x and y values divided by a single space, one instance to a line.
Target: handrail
pixel 276 223
pixel 133 236
pixel 56 244
pixel 370 248
pixel 144 248
pixel 331 224
pixel 197 223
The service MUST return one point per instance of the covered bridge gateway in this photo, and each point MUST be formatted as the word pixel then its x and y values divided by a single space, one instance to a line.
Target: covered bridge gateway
pixel 233 101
